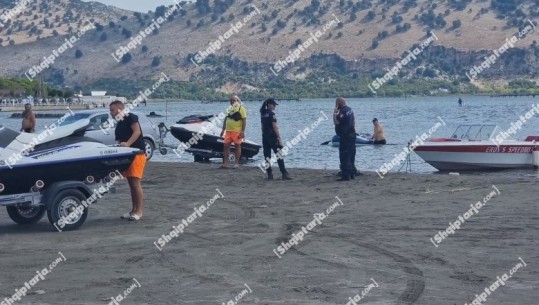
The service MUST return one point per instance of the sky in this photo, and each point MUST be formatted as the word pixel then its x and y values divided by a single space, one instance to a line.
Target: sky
pixel 136 5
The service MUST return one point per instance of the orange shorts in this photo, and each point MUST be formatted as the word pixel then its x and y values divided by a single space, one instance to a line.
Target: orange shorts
pixel 136 169
pixel 233 136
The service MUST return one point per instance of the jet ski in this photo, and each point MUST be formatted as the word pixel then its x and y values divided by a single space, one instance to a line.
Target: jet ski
pixel 209 144
pixel 31 161
pixel 361 139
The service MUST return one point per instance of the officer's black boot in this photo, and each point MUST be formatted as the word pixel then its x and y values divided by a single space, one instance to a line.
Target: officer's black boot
pixel 344 177
pixel 270 176
pixel 286 176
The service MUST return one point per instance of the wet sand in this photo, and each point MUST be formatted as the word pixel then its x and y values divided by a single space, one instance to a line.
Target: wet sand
pixel 380 234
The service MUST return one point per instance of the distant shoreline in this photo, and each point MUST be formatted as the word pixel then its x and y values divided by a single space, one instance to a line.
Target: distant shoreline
pixel 46 108
pixel 456 96
pixel 175 100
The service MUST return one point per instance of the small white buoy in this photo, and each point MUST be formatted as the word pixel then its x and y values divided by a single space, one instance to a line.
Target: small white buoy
pixel 535 158
pixel 454 174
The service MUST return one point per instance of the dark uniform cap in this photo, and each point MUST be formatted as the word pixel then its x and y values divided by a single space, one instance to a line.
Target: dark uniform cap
pixel 271 101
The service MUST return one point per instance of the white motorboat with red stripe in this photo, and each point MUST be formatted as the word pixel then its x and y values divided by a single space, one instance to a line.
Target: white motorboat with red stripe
pixel 474 147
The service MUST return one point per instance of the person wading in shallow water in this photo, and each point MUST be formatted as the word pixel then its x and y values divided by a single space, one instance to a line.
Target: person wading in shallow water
pixel 28 119
pixel 378 135
pixel 343 118
pixel 271 137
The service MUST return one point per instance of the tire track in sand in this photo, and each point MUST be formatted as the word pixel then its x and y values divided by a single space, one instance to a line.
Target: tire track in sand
pixel 415 282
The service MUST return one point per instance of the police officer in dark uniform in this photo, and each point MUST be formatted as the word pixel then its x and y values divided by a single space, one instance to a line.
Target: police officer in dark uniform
pixel 271 138
pixel 343 118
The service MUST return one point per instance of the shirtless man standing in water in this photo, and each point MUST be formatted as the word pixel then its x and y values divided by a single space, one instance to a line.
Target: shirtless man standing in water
pixel 378 136
pixel 28 119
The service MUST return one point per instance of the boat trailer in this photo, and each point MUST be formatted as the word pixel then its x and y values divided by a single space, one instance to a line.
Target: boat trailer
pixel 65 202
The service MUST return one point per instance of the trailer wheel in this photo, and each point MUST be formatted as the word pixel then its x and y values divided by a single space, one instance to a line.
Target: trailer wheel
pixel 64 212
pixel 232 157
pixel 198 158
pixel 25 215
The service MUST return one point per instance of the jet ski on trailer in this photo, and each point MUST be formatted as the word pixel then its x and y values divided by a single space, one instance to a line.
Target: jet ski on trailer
pixel 210 145
pixel 35 168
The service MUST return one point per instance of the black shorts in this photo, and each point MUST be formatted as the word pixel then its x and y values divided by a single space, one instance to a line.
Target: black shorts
pixel 380 142
pixel 28 130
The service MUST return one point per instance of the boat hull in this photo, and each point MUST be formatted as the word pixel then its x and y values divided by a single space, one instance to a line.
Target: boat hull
pixel 22 177
pixel 213 143
pixel 362 139
pixel 470 156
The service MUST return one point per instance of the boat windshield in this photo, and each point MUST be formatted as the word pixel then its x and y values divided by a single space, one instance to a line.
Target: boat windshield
pixel 74 118
pixel 7 136
pixel 475 132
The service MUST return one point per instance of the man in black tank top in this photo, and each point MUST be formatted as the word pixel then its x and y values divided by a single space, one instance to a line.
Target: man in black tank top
pixel 129 134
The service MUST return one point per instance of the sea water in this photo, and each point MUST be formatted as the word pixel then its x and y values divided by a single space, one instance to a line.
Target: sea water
pixel 403 119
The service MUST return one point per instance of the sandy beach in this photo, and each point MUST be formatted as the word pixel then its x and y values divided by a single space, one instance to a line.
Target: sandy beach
pixel 378 238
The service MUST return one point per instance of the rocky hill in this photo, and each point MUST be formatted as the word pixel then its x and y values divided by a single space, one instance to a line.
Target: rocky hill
pixel 356 42
pixel 29 21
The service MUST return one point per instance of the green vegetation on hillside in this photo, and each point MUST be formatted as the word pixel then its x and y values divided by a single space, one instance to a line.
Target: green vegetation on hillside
pixel 22 87
pixel 326 87
pixel 309 88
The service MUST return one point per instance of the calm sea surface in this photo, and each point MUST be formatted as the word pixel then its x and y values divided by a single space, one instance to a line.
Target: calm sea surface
pixel 402 118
